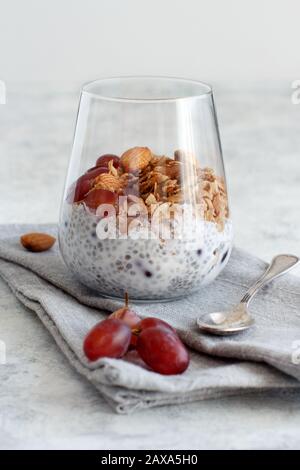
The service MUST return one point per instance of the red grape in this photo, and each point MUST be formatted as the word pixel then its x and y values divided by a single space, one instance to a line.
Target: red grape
pixel 105 159
pixel 109 338
pixel 96 197
pixel 79 189
pixel 152 321
pixel 162 350
pixel 84 182
pixel 127 316
pixel 100 169
pixel 133 341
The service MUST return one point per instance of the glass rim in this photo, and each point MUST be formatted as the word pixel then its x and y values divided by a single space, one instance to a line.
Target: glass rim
pixel 206 89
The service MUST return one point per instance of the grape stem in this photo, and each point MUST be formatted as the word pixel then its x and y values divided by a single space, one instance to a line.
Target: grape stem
pixel 126 299
pixel 136 331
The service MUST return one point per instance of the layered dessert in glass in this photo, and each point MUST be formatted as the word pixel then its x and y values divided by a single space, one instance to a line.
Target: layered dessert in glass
pixel 153 225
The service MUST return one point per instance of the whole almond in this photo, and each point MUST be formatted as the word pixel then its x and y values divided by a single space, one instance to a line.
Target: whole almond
pixel 136 159
pixel 37 241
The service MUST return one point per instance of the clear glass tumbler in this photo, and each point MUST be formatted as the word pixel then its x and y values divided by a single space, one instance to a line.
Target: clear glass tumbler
pixel 145 208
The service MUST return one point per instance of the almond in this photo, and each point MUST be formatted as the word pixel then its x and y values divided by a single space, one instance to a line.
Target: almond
pixel 136 159
pixel 37 241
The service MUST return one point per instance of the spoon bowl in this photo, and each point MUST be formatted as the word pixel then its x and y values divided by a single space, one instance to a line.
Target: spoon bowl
pixel 228 322
pixel 238 319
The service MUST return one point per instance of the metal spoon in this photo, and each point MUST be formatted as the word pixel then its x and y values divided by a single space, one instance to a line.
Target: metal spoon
pixel 238 319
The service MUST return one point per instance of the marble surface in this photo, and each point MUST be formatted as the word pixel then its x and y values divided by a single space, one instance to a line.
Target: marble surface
pixel 43 402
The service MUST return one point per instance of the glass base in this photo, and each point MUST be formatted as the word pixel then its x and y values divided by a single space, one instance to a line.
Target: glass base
pixel 132 300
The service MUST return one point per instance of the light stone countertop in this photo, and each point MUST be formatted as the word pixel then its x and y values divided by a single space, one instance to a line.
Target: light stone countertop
pixel 43 402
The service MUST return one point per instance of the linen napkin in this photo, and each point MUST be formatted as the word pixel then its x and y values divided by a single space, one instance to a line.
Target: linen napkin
pixel 266 357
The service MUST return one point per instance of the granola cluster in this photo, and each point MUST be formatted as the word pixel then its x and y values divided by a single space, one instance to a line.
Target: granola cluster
pixel 213 197
pixel 152 180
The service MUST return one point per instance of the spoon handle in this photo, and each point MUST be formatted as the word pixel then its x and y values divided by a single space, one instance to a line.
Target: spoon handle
pixel 281 264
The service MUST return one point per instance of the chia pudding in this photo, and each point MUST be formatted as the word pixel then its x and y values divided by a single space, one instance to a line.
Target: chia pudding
pixel 148 268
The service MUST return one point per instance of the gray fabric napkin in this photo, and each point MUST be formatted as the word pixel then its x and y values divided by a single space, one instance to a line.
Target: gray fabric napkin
pixel 262 358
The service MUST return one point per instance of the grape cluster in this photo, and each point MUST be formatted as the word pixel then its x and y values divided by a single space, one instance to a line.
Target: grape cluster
pixel 81 189
pixel 155 341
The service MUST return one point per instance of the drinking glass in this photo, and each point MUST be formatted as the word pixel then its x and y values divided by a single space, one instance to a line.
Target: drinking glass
pixel 145 207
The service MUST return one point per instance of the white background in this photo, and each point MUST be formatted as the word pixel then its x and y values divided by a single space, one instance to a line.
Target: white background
pixel 214 40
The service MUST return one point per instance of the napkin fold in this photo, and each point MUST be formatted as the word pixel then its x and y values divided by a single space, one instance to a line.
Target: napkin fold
pixel 266 357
